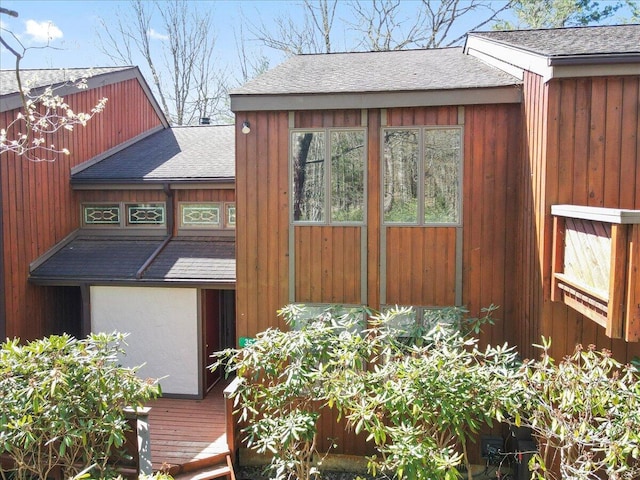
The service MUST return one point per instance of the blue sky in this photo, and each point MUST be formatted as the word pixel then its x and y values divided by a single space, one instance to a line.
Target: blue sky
pixel 72 24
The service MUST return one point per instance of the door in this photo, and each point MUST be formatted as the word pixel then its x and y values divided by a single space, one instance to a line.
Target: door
pixel 211 314
pixel 219 329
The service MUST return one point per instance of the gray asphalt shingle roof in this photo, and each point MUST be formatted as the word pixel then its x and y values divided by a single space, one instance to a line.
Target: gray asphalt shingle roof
pixel 34 78
pixel 195 260
pixel 394 71
pixel 599 40
pixel 98 258
pixel 183 260
pixel 173 154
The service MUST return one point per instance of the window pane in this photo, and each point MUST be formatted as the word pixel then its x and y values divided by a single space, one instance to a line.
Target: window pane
pixel 347 176
pixel 145 214
pixel 101 214
pixel 441 175
pixel 401 176
pixel 200 215
pixel 308 152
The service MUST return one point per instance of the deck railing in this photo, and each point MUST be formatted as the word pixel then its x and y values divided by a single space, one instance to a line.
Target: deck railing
pixel 596 266
pixel 231 418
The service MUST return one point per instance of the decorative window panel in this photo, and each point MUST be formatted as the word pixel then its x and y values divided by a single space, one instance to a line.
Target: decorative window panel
pixel 201 215
pixel 101 214
pixel 230 215
pixel 145 214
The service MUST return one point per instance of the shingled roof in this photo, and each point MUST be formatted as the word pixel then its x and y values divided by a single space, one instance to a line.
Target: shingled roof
pixel 374 79
pixel 99 260
pixel 178 154
pixel 612 40
pixel 45 77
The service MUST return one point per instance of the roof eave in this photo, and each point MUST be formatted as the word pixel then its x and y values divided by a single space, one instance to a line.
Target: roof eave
pixel 13 101
pixel 152 184
pixel 364 100
pixel 227 283
pixel 514 60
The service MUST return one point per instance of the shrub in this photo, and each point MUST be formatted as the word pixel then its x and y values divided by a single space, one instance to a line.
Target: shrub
pixel 417 394
pixel 283 385
pixel 584 412
pixel 62 403
pixel 429 396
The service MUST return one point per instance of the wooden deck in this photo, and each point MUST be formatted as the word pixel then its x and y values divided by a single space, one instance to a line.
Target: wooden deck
pixel 188 434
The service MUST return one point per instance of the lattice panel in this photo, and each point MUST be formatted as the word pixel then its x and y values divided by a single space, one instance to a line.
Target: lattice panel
pixel 587 255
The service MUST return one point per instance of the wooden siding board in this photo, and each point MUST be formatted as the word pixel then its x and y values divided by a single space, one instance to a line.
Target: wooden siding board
pixel 473 228
pixel 596 142
pixel 632 320
pixel 630 144
pixel 613 143
pixel 497 270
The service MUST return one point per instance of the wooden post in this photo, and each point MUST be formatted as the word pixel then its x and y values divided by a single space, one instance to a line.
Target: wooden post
pixel 231 423
pixel 557 257
pixel 143 447
pixel 617 279
pixel 632 314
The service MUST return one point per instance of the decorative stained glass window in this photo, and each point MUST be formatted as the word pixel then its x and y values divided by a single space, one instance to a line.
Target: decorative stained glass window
pixel 230 215
pixel 200 215
pixel 145 214
pixel 107 214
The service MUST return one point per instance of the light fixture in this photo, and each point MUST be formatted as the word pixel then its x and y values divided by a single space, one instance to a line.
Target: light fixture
pixel 246 128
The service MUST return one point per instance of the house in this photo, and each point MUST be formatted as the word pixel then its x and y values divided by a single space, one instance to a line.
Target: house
pixel 438 177
pixel 133 231
pixel 503 172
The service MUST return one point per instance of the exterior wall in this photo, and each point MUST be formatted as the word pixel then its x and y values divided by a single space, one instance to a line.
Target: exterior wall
pixel 582 147
pixel 38 206
pixel 163 324
pixel 420 261
pixel 420 266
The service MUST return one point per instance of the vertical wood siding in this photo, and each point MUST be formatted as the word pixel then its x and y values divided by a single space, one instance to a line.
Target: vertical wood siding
pixel 582 147
pixel 420 261
pixel 421 266
pixel 328 264
pixel 39 207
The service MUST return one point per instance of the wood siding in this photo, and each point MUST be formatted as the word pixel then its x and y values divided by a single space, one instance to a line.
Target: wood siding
pixel 328 264
pixel 39 208
pixel 581 147
pixel 420 261
pixel 420 266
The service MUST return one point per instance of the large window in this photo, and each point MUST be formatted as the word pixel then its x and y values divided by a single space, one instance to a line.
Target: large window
pixel 422 175
pixel 328 176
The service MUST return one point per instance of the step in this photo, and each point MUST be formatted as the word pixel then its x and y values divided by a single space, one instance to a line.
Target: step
pixel 206 473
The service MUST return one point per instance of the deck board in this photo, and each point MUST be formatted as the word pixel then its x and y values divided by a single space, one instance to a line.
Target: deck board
pixel 185 433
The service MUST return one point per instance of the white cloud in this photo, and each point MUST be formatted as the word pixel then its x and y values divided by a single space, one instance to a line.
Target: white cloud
pixel 156 35
pixel 45 31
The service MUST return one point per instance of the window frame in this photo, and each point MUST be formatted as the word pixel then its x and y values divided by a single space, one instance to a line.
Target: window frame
pixel 223 224
pixel 421 210
pixel 123 213
pixel 327 187
pixel 419 311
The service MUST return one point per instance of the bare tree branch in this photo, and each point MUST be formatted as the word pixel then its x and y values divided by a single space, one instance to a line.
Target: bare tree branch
pixel 180 57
